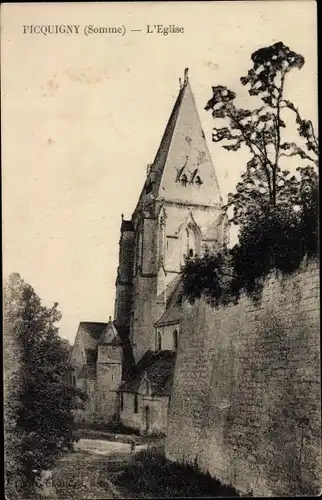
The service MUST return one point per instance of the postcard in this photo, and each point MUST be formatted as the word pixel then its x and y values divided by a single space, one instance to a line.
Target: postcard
pixel 160 196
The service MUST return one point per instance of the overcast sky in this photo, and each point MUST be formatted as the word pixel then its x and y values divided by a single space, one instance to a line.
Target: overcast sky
pixel 83 116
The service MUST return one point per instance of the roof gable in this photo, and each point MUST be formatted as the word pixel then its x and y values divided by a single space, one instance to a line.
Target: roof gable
pixel 89 333
pixel 109 335
pixel 157 368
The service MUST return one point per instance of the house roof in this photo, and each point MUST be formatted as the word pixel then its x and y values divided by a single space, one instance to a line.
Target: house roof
pixel 158 367
pixel 173 313
pixel 90 332
pixel 171 286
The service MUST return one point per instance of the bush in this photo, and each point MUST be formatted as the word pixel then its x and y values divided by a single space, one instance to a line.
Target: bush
pixel 273 239
pixel 151 473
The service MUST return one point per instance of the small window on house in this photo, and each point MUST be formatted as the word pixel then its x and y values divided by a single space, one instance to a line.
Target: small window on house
pixel 190 252
pixel 121 401
pixel 159 344
pixel 184 180
pixel 135 403
pixel 74 381
pixel 175 340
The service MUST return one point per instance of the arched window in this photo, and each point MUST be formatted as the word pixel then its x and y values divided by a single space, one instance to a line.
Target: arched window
pixel 188 244
pixel 184 180
pixel 198 181
pixel 175 340
pixel 135 403
pixel 185 243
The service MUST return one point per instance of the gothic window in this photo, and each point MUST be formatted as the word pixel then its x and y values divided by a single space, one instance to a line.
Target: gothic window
pixel 184 180
pixel 175 340
pixel 135 403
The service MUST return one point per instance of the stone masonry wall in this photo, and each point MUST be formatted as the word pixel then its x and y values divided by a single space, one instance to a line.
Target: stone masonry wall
pixel 246 400
pixel 158 407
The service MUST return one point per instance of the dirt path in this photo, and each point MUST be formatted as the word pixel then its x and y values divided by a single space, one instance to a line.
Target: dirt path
pixel 77 474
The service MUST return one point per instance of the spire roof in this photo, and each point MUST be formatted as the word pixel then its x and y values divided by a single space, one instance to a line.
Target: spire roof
pixel 182 169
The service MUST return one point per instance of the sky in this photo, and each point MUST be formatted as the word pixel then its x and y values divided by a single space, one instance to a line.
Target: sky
pixel 82 116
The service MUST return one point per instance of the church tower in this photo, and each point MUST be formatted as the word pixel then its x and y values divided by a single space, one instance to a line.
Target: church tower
pixel 179 212
pixel 108 372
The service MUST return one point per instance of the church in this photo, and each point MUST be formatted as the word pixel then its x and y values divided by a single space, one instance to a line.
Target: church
pixel 126 366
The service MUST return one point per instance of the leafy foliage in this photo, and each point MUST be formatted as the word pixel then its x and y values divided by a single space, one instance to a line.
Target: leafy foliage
pixel 265 181
pixel 274 238
pixel 277 212
pixel 38 399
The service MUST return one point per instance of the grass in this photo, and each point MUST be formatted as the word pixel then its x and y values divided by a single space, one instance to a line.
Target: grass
pixel 146 474
pixel 150 475
pixel 115 437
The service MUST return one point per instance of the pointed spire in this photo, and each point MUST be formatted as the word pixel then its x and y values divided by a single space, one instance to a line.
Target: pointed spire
pixel 183 148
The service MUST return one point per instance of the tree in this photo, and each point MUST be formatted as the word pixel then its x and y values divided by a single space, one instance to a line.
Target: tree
pixel 265 182
pixel 277 212
pixel 39 401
